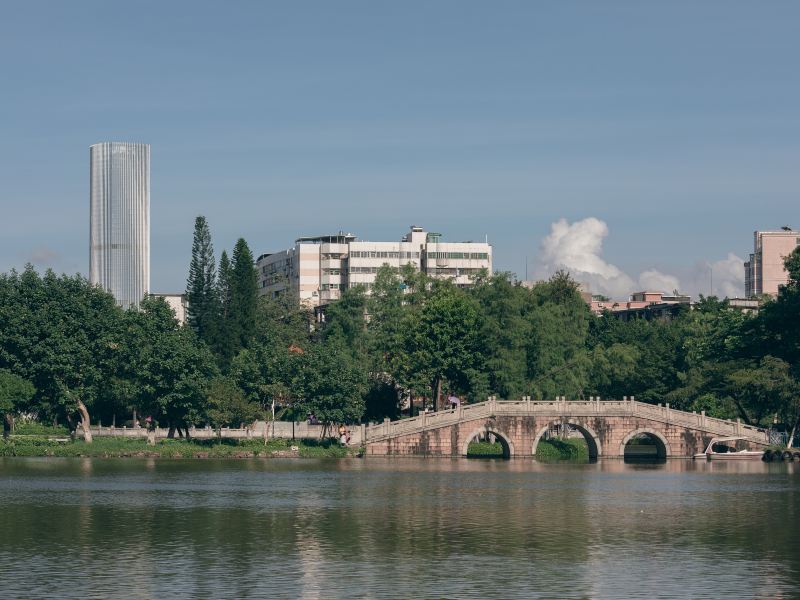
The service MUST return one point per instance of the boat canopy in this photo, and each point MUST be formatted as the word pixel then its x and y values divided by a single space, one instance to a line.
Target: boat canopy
pixel 723 439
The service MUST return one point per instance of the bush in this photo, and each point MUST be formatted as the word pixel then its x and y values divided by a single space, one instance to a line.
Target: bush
pixel 485 450
pixel 36 428
pixel 556 449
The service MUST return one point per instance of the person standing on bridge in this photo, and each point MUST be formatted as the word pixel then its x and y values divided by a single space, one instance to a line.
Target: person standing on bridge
pixel 454 401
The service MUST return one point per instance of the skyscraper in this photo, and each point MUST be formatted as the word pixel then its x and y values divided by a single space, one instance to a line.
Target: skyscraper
pixel 119 204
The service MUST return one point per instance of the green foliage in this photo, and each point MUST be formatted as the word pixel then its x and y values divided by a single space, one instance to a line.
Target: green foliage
pixel 66 349
pixel 226 405
pixel 26 427
pixel 505 334
pixel 15 392
pixel 331 384
pixel 485 450
pixel 657 346
pixel 282 320
pixel 441 341
pixel 569 449
pixel 346 322
pixel 201 291
pixel 240 321
pixel 175 448
pixel 166 366
pixel 557 356
pixel 61 334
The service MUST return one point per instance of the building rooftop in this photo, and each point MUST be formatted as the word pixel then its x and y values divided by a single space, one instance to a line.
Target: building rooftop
pixel 336 238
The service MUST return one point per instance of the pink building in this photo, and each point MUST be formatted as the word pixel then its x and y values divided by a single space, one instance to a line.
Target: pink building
pixel 764 272
pixel 642 305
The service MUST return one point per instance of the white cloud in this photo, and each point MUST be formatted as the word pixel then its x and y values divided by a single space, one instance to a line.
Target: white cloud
pixel 657 281
pixel 728 276
pixel 577 247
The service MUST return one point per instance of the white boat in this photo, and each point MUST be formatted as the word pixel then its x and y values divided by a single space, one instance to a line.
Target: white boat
pixel 718 450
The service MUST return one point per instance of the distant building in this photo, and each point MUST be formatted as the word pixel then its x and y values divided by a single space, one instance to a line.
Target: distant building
pixel 178 304
pixel 119 220
pixel 746 305
pixel 764 273
pixel 643 305
pixel 318 269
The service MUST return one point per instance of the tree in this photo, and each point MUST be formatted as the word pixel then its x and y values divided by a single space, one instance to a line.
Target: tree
pixel 505 334
pixel 331 384
pixel 224 343
pixel 660 346
pixel 345 320
pixel 168 367
pixel 442 343
pixel 227 405
pixel 241 314
pixel 201 292
pixel 267 373
pixel 612 368
pixel 282 319
pixel 557 355
pixel 60 333
pixel 15 393
pixel 388 317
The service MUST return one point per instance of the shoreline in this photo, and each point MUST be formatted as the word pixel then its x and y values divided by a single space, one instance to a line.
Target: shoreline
pixel 43 447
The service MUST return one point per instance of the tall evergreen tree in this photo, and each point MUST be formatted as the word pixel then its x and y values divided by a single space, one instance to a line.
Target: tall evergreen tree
pixel 224 344
pixel 201 293
pixel 241 314
pixel 224 284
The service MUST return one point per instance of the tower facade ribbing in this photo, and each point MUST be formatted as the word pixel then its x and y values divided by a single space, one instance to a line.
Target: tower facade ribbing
pixel 119 204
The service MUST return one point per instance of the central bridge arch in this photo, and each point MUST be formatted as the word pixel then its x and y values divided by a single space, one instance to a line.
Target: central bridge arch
pixel 662 445
pixel 592 440
pixel 503 438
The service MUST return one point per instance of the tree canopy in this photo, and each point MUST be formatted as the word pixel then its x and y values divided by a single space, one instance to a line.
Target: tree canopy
pixel 68 352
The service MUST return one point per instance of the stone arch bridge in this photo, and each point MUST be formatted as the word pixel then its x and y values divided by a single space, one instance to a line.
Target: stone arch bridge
pixel 606 425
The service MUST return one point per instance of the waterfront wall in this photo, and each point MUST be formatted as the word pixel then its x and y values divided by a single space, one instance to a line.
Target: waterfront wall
pixel 260 429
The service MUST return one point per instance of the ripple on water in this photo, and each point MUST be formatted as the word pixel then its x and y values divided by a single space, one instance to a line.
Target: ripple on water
pixel 396 528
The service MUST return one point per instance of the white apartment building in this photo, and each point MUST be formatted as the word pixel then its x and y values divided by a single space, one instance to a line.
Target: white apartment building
pixel 178 303
pixel 318 269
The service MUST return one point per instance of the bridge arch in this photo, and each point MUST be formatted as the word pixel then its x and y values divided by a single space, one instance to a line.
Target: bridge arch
pixel 591 437
pixel 504 439
pixel 662 445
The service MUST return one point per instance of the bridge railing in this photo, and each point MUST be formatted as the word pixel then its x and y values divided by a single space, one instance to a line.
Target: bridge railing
pixel 562 408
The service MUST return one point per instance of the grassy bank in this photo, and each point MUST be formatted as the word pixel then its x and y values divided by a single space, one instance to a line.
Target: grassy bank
pixel 547 450
pixel 569 449
pixel 105 447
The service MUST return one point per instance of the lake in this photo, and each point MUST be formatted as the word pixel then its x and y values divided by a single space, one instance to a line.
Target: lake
pixel 397 528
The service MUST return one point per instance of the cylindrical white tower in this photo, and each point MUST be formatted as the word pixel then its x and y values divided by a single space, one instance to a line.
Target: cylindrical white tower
pixel 119 204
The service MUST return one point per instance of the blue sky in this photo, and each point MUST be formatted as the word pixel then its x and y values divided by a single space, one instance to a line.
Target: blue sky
pixel 674 123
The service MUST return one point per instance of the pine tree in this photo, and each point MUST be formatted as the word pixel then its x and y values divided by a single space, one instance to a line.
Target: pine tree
pixel 225 344
pixel 201 293
pixel 243 295
pixel 224 284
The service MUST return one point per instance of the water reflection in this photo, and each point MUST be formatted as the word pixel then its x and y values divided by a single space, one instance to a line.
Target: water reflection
pixel 397 527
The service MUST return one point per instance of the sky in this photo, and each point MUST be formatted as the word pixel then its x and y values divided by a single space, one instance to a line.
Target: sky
pixel 638 144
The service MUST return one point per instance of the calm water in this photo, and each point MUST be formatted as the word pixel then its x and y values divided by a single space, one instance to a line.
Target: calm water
pixel 101 528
